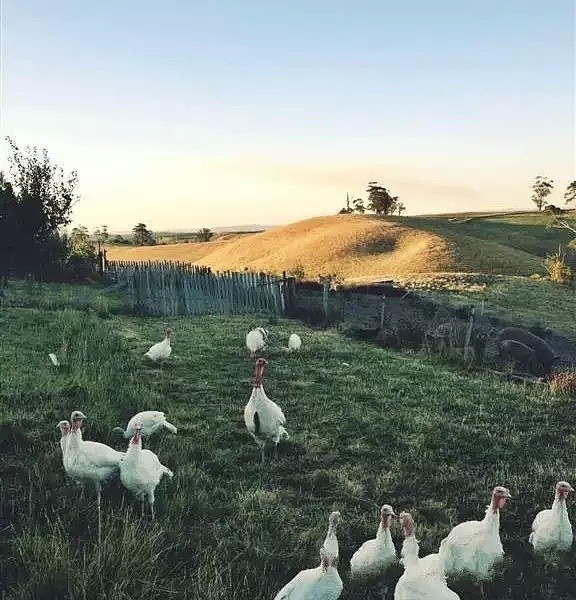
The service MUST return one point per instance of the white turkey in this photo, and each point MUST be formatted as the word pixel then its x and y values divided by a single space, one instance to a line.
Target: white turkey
pixel 423 578
pixel 256 340
pixel 330 545
pixel 263 417
pixel 551 529
pixel 161 351
pixel 474 546
pixel 152 421
pixel 90 461
pixel 294 342
pixel 141 470
pixel 376 555
pixel 64 427
pixel 321 583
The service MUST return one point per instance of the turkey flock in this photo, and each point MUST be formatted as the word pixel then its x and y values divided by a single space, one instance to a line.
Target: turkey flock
pixel 472 547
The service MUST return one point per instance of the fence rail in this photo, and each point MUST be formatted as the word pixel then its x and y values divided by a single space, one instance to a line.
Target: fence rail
pixel 174 288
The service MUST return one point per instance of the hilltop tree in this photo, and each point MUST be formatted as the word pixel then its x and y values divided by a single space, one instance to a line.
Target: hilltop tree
pixel 142 236
pixel 380 200
pixel 542 188
pixel 400 208
pixel 204 234
pixel 35 205
pixel 347 209
pixel 570 193
pixel 359 205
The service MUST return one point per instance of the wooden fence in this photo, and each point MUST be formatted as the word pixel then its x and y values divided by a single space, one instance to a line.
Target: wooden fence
pixel 175 288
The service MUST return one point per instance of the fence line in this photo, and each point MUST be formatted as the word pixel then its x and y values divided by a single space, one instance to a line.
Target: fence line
pixel 170 288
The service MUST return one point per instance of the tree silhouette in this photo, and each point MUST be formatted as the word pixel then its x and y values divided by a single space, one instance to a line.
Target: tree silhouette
pixel 542 188
pixel 570 193
pixel 34 207
pixel 347 209
pixel 358 204
pixel 142 236
pixel 380 200
pixel 204 235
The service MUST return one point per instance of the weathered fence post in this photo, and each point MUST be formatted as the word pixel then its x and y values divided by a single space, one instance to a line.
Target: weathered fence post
pixel 325 288
pixel 382 312
pixel 469 331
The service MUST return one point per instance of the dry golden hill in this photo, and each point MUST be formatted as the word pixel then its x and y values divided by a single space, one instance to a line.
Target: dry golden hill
pixel 365 247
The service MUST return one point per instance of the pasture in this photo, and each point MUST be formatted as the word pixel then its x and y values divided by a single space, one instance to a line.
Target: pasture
pixel 368 426
pixel 368 247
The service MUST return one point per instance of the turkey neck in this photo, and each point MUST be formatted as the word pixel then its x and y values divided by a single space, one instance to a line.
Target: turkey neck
pixel 410 550
pixel 74 438
pixel 492 518
pixel 332 530
pixel 559 507
pixel 134 448
pixel 384 529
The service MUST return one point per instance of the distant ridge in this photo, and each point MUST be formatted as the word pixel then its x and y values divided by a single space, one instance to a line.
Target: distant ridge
pixel 250 228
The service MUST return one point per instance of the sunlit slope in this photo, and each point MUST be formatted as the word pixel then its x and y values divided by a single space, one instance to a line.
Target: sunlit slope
pixel 365 245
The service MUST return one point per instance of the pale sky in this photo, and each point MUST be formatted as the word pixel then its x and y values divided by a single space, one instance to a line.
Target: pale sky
pixel 213 113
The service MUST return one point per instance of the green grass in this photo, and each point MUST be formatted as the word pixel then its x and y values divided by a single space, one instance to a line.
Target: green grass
pixel 388 428
pixel 508 244
pixel 522 300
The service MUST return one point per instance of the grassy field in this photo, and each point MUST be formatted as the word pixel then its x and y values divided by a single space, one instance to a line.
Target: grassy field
pixel 387 428
pixel 366 246
pixel 522 300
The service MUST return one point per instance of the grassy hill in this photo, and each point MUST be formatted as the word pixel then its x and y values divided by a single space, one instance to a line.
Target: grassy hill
pixel 383 428
pixel 368 247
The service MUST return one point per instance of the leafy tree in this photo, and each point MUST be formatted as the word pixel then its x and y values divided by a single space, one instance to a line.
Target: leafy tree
pixel 79 236
pixel 204 235
pixel 570 193
pixel 120 239
pixel 359 205
pixel 400 208
pixel 542 188
pixel 36 204
pixel 82 253
pixel 8 219
pixel 380 200
pixel 102 234
pixel 142 236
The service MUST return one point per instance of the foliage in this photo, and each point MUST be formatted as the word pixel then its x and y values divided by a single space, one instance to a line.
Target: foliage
pixel 570 193
pixel 120 239
pixel 557 269
pixel 367 426
pixel 101 234
pixel 34 207
pixel 142 236
pixel 81 252
pixel 542 188
pixel 380 200
pixel 204 235
pixel 359 205
pixel 298 271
